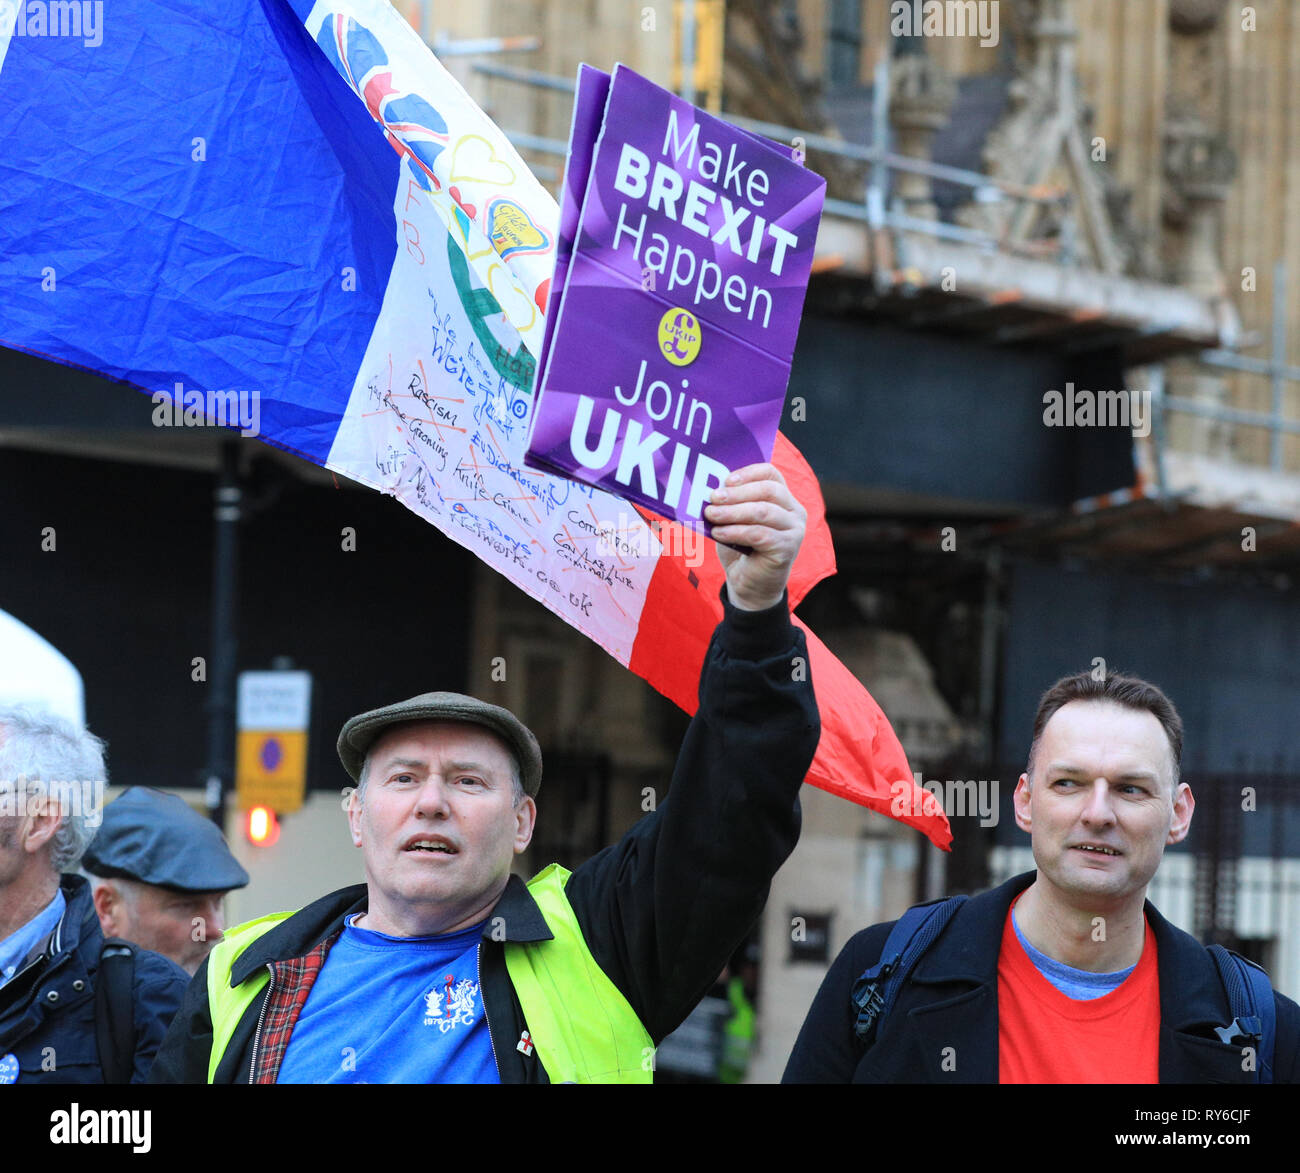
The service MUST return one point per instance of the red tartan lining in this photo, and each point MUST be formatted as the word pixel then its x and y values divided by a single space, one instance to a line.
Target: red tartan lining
pixel 291 982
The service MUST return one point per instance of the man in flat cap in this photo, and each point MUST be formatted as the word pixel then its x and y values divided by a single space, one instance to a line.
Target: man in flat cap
pixel 159 872
pixel 443 966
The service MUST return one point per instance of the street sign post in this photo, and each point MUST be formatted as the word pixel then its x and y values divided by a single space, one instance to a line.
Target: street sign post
pixel 273 719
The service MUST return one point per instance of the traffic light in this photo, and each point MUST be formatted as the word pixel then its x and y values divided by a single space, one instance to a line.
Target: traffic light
pixel 262 826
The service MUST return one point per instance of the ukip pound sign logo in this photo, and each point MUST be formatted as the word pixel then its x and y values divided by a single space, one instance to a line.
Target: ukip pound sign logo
pixel 679 337
pixel 453 1006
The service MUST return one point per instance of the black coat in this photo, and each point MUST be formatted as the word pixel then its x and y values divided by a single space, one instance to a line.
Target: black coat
pixel 47 1009
pixel 662 909
pixel 951 1001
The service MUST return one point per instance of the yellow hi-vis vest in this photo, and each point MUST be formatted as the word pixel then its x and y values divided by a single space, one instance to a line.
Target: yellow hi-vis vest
pixel 581 1025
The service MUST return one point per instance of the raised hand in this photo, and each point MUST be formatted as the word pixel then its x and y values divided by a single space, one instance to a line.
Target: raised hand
pixel 754 508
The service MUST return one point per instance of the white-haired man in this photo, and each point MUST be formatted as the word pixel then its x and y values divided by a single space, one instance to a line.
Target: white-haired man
pixel 53 1028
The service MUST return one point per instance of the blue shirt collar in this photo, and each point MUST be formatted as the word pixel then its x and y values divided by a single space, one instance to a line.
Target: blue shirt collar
pixel 1066 978
pixel 15 947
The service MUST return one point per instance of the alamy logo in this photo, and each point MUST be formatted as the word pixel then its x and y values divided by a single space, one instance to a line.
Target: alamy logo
pixel 957 798
pixel 77 1125
pixel 197 409
pixel 82 799
pixel 1081 408
pixel 54 18
pixel 945 18
pixel 632 536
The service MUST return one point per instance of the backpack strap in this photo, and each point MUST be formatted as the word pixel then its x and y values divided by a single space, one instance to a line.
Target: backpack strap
pixel 115 1010
pixel 1250 1000
pixel 875 992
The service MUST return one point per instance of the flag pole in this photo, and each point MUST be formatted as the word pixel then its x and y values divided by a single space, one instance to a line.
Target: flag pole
pixel 224 649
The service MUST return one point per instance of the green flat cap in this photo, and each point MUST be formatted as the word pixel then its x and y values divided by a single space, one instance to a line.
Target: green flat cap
pixel 363 730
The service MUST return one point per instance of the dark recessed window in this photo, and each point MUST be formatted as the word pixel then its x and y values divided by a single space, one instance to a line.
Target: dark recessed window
pixel 844 42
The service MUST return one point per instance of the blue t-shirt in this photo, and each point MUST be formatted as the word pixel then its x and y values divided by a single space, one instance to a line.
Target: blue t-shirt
pixel 394 1010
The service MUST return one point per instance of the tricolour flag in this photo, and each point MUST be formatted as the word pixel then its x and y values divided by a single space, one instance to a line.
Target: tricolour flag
pixel 291 217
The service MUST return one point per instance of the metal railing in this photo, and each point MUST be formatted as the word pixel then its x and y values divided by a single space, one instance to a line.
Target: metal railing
pixel 1275 367
pixel 874 208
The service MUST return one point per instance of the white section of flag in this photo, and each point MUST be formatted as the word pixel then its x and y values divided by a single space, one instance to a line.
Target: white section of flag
pixel 430 422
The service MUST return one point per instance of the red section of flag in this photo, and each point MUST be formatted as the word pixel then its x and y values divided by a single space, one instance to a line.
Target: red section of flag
pixel 817 555
pixel 859 756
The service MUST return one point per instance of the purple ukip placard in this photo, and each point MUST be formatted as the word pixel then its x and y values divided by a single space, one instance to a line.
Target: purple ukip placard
pixel 676 317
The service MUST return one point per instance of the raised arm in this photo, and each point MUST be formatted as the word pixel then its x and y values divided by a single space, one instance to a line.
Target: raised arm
pixel 663 909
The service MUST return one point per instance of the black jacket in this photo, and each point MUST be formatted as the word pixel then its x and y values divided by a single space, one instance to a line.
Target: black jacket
pixel 951 1001
pixel 47 1009
pixel 662 909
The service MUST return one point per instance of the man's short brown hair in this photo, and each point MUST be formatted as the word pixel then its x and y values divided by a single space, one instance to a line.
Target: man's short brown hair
pixel 1129 691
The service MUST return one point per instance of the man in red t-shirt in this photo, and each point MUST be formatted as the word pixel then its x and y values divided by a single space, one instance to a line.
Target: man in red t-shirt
pixel 1066 974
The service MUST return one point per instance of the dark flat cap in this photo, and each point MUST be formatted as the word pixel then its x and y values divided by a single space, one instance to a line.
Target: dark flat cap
pixel 363 730
pixel 159 838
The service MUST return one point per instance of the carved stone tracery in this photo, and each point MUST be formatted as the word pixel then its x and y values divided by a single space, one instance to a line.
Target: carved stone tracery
pixel 1045 139
pixel 921 96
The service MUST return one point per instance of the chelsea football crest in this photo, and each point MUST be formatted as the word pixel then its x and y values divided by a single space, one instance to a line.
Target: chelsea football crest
pixel 453 1005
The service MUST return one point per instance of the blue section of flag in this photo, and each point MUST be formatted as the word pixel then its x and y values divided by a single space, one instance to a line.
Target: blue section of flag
pixel 189 202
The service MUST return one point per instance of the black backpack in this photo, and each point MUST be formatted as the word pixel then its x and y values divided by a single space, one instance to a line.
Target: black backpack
pixel 1250 996
pixel 115 1010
